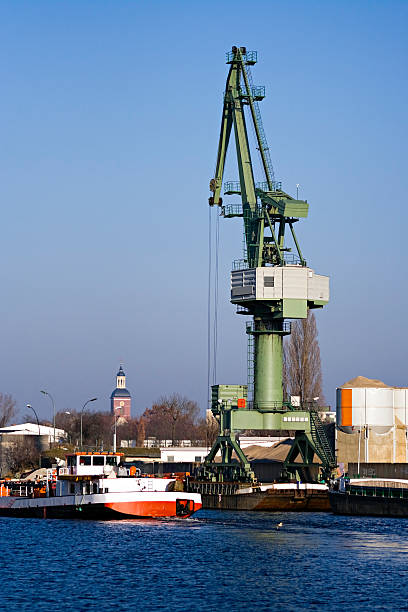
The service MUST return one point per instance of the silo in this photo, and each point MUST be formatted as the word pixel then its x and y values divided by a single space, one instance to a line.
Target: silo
pixel 350 411
pixel 362 401
pixel 379 410
pixel 366 422
pixel 401 406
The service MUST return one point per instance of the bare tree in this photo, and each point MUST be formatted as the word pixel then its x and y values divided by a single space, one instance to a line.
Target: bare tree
pixel 172 416
pixel 141 433
pixel 7 409
pixel 21 455
pixel 212 428
pixel 302 370
pixel 130 429
pixel 97 427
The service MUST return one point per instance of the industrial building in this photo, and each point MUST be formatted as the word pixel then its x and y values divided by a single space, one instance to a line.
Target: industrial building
pixel 46 433
pixel 371 419
pixel 42 436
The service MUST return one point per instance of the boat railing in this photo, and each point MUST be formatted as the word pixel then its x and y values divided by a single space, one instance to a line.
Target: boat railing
pixel 27 490
pixel 386 492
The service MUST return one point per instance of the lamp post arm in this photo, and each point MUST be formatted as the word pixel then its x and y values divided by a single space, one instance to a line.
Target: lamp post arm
pixel 39 431
pixel 53 414
pixel 82 413
pixel 53 409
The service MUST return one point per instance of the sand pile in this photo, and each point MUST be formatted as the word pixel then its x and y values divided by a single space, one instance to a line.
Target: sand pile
pixel 277 452
pixel 362 381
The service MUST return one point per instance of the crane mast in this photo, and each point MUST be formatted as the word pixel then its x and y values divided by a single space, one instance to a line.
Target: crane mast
pixel 272 284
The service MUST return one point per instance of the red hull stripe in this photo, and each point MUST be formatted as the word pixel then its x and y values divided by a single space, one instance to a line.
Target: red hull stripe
pixel 147 508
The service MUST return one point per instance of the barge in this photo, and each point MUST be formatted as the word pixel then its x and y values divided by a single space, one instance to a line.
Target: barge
pixel 276 497
pixel 97 486
pixel 370 497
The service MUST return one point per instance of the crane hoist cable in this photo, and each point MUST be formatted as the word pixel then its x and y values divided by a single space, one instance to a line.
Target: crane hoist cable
pixel 209 309
pixel 212 299
pixel 216 275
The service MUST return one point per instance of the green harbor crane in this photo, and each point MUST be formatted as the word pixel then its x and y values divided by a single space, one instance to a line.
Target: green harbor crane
pixel 272 284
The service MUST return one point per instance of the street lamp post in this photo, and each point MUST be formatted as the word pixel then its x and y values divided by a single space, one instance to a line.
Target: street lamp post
pixel 39 431
pixel 53 409
pixel 114 434
pixel 69 437
pixel 82 413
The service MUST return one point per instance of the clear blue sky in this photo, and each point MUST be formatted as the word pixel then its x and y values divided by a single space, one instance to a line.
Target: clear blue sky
pixel 110 117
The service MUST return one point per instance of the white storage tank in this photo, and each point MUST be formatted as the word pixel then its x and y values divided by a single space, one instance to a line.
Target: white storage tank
pixel 379 407
pixel 401 405
pixel 363 401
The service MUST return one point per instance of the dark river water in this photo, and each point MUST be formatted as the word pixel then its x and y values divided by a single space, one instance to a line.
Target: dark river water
pixel 214 561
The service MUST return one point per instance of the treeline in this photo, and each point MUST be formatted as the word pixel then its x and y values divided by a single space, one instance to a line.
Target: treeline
pixel 172 418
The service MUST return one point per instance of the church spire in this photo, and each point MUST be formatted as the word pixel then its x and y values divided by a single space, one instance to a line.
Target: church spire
pixel 121 379
pixel 121 398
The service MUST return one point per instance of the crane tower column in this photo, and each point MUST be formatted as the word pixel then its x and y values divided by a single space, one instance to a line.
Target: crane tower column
pixel 267 364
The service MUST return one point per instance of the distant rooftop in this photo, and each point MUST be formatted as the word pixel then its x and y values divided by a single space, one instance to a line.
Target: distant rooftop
pixel 120 393
pixel 32 429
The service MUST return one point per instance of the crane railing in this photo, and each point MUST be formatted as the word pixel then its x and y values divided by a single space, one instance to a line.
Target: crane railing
pixel 259 129
pixel 234 187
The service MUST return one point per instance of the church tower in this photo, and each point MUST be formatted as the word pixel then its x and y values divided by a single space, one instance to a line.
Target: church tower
pixel 121 398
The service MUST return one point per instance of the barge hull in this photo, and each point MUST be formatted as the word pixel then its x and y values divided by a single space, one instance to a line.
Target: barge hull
pixel 269 502
pixel 88 507
pixel 342 503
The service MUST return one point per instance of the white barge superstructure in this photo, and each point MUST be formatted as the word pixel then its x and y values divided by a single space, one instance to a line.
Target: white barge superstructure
pixel 97 486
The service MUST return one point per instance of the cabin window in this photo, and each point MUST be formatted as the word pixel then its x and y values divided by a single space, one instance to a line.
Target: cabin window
pixel 71 461
pixel 110 460
pixel 98 460
pixel 95 487
pixel 72 488
pixel 83 460
pixel 197 459
pixel 269 281
pixel 170 458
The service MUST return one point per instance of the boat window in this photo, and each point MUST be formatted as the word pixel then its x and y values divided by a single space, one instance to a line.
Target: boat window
pixel 83 460
pixel 110 460
pixel 72 488
pixel 71 461
pixel 98 460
